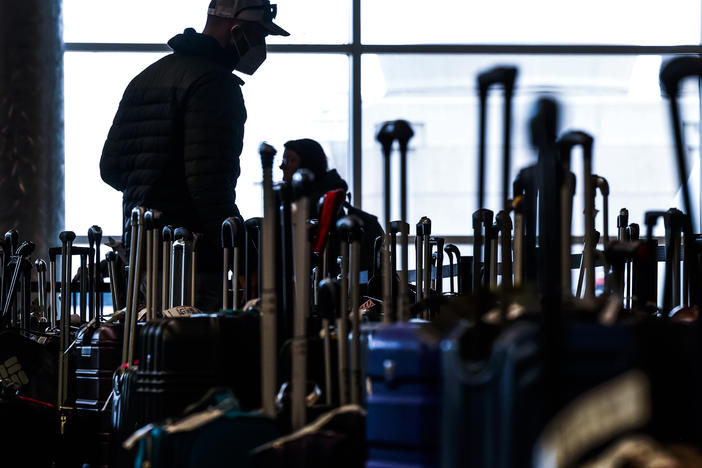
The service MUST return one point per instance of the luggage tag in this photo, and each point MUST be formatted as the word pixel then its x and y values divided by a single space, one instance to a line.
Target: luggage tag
pixel 178 311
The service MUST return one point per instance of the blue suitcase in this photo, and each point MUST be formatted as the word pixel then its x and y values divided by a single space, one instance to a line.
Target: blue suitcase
pixel 490 407
pixel 403 403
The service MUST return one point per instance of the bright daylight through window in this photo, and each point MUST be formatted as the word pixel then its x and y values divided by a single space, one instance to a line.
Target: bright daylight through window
pixel 299 92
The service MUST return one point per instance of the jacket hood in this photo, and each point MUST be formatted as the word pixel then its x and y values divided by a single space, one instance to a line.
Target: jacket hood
pixel 191 42
pixel 332 181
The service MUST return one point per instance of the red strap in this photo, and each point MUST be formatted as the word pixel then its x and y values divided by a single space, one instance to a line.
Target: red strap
pixel 32 400
pixel 332 202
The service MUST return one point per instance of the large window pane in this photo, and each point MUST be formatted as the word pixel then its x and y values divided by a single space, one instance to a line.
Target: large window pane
pixel 93 87
pixel 615 98
pixel 640 22
pixel 284 101
pixel 156 21
pixel 293 96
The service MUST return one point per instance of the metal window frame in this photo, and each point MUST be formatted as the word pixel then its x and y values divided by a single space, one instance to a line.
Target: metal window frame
pixel 356 49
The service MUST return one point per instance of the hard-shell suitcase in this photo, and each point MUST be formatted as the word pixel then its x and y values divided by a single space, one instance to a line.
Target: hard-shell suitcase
pixel 231 349
pixel 404 399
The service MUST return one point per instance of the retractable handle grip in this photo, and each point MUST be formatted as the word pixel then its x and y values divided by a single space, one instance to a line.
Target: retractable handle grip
pixel 482 217
pixel 40 265
pixel 12 240
pixel 602 184
pixel 183 234
pixel 386 137
pixel 403 133
pixel 677 69
pixel 149 219
pixel 505 76
pixel 570 140
pixel 451 249
pixel 424 227
pixel 674 219
pixel 328 295
pixel 623 218
pixel 26 249
pixel 634 232
pixel 94 235
pixel 167 233
pixel 267 153
pixel 504 221
pixel 302 183
pixel 350 228
pixel 67 236
pixel 232 232
pixel 400 227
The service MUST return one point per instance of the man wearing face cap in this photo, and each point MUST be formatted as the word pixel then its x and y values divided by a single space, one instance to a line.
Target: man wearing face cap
pixel 177 135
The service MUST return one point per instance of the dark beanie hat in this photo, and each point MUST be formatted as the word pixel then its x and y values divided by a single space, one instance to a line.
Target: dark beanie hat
pixel 311 154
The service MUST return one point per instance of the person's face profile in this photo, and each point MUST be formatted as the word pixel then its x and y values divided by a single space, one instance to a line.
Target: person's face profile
pixel 291 163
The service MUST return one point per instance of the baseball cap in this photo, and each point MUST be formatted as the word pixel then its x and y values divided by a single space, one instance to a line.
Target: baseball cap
pixel 259 11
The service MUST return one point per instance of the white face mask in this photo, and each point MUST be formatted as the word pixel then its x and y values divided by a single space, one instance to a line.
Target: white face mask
pixel 251 49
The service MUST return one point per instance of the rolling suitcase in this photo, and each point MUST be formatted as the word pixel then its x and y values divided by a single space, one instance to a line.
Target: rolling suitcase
pixel 491 376
pixel 402 370
pixel 207 349
pixel 180 356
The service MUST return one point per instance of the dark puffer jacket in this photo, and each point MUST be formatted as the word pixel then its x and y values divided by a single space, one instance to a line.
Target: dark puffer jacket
pixel 175 141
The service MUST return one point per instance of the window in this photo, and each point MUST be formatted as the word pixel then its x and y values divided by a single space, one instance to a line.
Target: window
pixel 632 22
pixel 614 98
pixel 418 61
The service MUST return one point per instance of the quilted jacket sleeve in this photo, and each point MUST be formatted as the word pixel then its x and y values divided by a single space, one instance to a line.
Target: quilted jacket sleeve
pixel 112 168
pixel 214 117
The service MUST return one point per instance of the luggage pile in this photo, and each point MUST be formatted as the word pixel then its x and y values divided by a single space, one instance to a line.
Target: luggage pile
pixel 312 361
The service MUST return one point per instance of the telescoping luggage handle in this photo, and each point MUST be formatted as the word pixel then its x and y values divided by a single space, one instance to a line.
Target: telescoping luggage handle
pixel 95 284
pixel 302 181
pixel 184 251
pixel 401 131
pixel 67 238
pixel 133 282
pixel 672 73
pixel 232 242
pixel 267 282
pixel 566 144
pixel 506 77
pixel 40 265
pixel 167 238
pixel 350 229
pixel 20 280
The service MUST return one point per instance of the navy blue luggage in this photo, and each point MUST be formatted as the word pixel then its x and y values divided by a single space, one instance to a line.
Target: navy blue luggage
pixel 488 406
pixel 403 403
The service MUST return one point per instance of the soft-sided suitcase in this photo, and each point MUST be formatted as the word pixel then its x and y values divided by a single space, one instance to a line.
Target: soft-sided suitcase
pixel 212 433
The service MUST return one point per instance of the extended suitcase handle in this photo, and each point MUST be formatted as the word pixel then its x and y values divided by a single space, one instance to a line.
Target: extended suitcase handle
pixel 232 237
